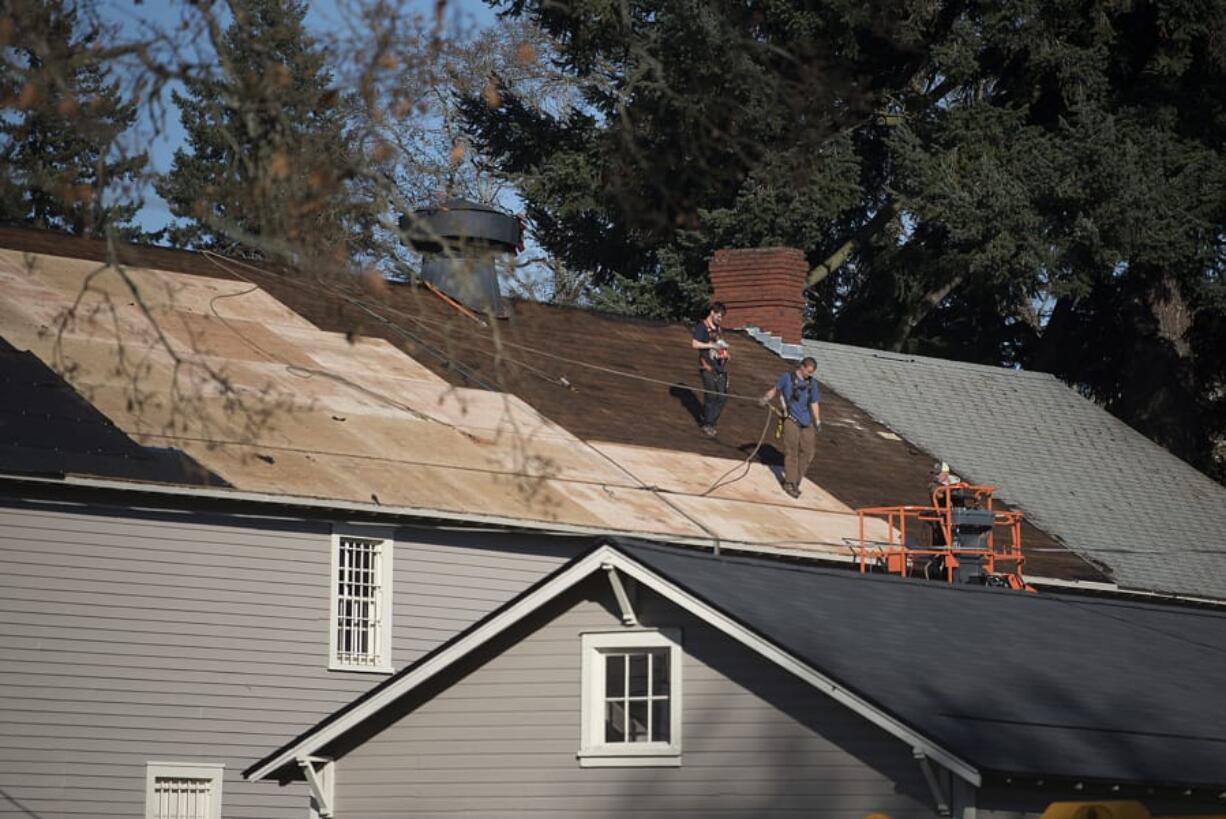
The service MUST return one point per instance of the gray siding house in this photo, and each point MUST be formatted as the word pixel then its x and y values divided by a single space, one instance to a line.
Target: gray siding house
pixel 203 553
pixel 149 651
pixel 640 680
pixel 183 588
pixel 504 739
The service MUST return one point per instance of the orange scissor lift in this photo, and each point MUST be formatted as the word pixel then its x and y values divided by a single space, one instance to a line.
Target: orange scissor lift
pixel 968 540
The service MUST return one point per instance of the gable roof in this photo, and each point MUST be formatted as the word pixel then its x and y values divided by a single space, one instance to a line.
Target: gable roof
pixel 272 404
pixel 1078 472
pixel 1013 682
pixel 608 555
pixel 979 679
pixel 624 384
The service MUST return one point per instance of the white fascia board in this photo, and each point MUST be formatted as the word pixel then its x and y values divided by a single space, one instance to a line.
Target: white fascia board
pixel 311 743
pixel 801 669
pixel 427 514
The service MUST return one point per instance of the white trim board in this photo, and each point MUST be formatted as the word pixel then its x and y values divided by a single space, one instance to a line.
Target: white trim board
pixel 815 550
pixel 800 668
pixel 315 740
pixel 414 675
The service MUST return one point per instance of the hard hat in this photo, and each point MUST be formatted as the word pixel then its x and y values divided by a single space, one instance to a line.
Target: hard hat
pixel 941 467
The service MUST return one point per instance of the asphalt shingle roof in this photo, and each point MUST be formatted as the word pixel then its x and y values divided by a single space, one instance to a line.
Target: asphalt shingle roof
pixel 1079 473
pixel 1012 682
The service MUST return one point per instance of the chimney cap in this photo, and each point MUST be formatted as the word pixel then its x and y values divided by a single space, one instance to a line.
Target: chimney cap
pixel 457 224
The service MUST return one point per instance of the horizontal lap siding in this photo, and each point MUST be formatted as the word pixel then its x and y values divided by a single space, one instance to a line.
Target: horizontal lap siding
pixel 450 580
pixel 127 639
pixel 500 739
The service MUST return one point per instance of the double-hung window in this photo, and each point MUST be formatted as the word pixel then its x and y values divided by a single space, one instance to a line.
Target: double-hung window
pixel 631 698
pixel 360 629
pixel 182 790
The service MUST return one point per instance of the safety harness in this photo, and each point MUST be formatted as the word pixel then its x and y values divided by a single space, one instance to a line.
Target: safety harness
pixel 715 334
pixel 794 388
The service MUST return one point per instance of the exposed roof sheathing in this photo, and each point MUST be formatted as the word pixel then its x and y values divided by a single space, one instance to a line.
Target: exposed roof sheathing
pixel 269 403
pixel 1077 471
pixel 600 377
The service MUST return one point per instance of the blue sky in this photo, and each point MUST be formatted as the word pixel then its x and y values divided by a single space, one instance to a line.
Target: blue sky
pixel 322 16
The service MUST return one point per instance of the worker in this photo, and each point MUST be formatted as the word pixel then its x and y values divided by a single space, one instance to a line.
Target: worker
pixel 941 477
pixel 797 397
pixel 713 354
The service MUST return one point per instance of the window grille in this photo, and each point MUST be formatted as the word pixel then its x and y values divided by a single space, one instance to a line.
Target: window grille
pixel 183 790
pixel 181 797
pixel 360 604
pixel 636 696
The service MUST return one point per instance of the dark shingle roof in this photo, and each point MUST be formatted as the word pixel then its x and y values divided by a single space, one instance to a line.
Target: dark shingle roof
pixel 1107 492
pixel 1012 682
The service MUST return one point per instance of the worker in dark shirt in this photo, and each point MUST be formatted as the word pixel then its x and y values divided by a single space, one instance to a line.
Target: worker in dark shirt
pixel 712 350
pixel 798 398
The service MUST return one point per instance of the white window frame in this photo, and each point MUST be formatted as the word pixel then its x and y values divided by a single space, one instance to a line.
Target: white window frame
pixel 214 772
pixel 593 751
pixel 386 568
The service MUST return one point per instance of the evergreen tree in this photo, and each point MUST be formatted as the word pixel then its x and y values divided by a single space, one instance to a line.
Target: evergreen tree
pixel 269 159
pixel 1036 182
pixel 59 134
pixel 708 124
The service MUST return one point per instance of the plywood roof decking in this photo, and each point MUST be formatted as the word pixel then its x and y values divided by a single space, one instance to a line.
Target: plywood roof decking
pixel 47 428
pixel 272 404
pixel 859 461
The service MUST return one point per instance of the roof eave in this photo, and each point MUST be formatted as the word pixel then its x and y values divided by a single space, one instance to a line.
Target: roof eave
pixel 419 513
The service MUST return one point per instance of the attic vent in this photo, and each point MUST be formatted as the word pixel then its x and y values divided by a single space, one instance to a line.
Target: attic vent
pixel 179 790
pixel 459 241
pixel 183 797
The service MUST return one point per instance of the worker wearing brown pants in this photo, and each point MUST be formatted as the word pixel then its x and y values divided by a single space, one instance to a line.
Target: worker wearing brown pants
pixel 799 400
pixel 799 447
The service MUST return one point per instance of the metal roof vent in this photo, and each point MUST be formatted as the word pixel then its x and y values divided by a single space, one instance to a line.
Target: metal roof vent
pixel 459 241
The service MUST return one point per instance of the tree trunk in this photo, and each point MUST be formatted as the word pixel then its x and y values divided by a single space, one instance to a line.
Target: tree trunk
pixel 1174 317
pixel 1159 392
pixel 836 259
pixel 919 310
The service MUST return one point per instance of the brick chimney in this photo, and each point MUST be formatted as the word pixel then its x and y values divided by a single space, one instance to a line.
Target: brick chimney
pixel 762 286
